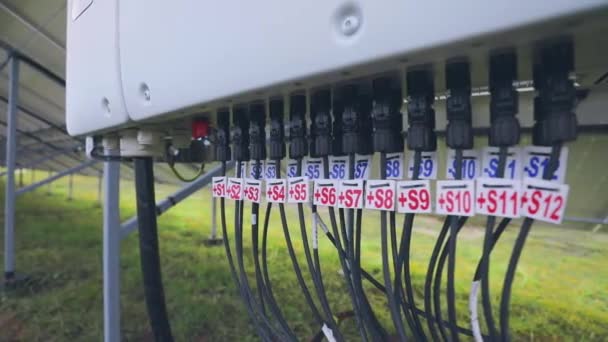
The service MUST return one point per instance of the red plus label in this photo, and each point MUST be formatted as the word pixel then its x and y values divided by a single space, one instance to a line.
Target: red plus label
pixel 252 190
pixel 544 200
pixel 350 194
pixel 497 197
pixel 218 187
pixel 380 194
pixel 234 189
pixel 455 197
pixel 276 191
pixel 297 190
pixel 414 196
pixel 325 193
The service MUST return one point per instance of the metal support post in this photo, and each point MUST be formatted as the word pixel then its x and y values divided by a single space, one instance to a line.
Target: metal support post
pixel 111 252
pixel 58 175
pixel 213 239
pixel 20 177
pixel 11 148
pixel 70 186
pixel 99 183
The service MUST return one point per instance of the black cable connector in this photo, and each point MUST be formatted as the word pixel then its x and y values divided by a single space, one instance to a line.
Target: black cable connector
pixel 320 124
pixel 276 146
pixel 556 121
pixel 298 147
pixel 257 131
pixel 240 133
pixel 222 136
pixel 459 131
pixel 421 134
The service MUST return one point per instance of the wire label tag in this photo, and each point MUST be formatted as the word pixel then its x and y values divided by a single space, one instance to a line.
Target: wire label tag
pixel 252 190
pixel 276 191
pixel 338 167
pixel 270 170
pixel 235 189
pixel 325 192
pixel 513 165
pixel 297 189
pixel 471 164
pixel 536 160
pixel 363 166
pixel 218 187
pixel 455 197
pixel 498 197
pixel 544 200
pixel 256 170
pixel 313 168
pixel 414 196
pixel 292 167
pixel 350 194
pixel 394 166
pixel 380 194
pixel 428 166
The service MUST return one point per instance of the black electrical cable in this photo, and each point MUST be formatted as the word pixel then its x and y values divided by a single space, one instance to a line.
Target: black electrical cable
pixel 357 276
pixel 255 213
pixel 451 291
pixel 552 166
pixel 404 262
pixel 261 284
pixel 319 287
pixel 264 327
pixel 390 294
pixel 343 257
pixel 374 327
pixel 485 258
pixel 274 307
pixel 149 251
pixel 233 270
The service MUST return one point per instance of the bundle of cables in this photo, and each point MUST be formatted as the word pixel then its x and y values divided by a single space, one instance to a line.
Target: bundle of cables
pixel 363 124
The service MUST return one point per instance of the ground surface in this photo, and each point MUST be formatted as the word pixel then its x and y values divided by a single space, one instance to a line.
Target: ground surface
pixel 559 293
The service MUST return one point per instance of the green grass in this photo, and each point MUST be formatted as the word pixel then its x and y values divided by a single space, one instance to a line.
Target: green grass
pixel 559 292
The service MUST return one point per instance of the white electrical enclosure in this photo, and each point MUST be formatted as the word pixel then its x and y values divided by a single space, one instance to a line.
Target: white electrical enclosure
pixel 150 61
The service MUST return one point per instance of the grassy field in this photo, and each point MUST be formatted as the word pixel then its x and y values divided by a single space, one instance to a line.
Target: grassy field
pixel 559 293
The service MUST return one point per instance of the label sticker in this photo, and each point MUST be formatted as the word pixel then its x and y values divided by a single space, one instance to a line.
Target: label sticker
pixel 428 166
pixel 252 190
pixel 414 196
pixel 243 167
pixel 498 197
pixel 292 168
pixel 297 189
pixel 276 191
pixel 235 189
pixel 325 192
pixel 513 164
pixel 338 167
pixel 536 159
pixel 395 166
pixel 363 165
pixel 471 164
pixel 455 197
pixel 380 194
pixel 350 194
pixel 313 168
pixel 544 200
pixel 256 170
pixel 218 187
pixel 270 170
